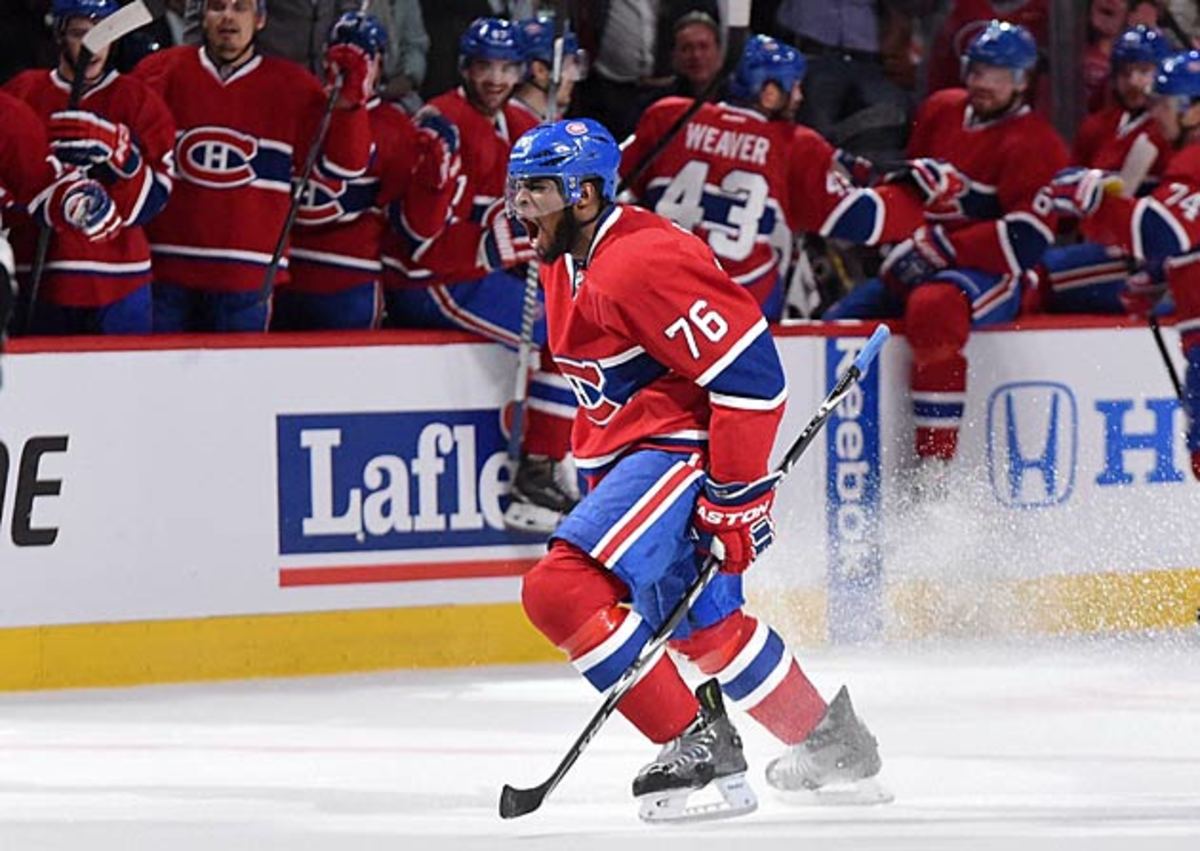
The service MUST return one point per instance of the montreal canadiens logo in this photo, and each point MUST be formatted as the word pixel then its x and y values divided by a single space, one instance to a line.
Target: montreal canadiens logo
pixel 322 200
pixel 576 128
pixel 216 157
pixel 587 381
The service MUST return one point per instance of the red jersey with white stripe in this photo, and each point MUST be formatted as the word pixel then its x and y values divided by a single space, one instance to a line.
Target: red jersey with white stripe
pixel 239 142
pixel 662 349
pixel 484 144
pixel 744 184
pixel 1105 138
pixel 1006 160
pixel 80 273
pixel 342 225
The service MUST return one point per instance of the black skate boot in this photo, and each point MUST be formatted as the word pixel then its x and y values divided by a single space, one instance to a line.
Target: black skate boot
pixel 836 764
pixel 539 501
pixel 709 751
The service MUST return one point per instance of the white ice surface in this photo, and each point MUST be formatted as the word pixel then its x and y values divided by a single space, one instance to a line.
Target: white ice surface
pixel 1088 745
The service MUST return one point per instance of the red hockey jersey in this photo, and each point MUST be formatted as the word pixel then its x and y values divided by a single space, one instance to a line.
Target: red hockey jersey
pixel 239 142
pixel 80 273
pixel 342 223
pixel 662 349
pixel 993 227
pixel 28 173
pixel 1105 138
pixel 744 184
pixel 484 146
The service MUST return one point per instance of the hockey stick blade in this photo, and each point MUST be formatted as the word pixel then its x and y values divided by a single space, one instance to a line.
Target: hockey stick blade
pixel 120 23
pixel 518 802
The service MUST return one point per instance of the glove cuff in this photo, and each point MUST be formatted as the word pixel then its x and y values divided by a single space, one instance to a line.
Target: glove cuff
pixel 736 493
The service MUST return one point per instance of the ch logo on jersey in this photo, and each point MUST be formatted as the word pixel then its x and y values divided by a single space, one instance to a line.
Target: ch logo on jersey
pixel 216 157
pixel 587 380
pixel 322 200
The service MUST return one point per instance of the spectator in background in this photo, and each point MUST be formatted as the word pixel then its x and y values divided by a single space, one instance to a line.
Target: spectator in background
pixel 695 54
pixel 1106 20
pixel 621 35
pixel 847 96
pixel 408 45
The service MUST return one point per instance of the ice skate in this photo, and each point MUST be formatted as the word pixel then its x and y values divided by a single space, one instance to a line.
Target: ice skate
pixel 837 764
pixel 707 756
pixel 539 501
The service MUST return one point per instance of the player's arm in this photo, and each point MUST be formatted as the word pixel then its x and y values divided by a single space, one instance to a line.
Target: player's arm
pixel 347 151
pixel 419 177
pixel 1017 240
pixel 825 200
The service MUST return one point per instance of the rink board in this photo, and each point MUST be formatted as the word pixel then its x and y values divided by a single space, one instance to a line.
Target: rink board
pixel 196 508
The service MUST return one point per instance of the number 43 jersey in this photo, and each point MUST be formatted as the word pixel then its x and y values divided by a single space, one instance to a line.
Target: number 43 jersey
pixel 662 349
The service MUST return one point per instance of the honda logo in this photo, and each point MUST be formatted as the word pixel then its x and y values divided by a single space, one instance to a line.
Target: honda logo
pixel 1033 437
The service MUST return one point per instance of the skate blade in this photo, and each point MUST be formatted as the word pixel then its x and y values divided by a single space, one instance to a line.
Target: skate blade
pixel 674 807
pixel 531 519
pixel 859 793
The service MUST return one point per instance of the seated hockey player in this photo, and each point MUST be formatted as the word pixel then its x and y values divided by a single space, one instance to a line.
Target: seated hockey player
pixel 680 392
pixel 1124 138
pixel 743 176
pixel 121 134
pixel 966 266
pixel 1162 227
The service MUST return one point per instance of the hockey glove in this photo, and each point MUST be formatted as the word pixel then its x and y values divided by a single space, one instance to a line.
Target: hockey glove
pixel 923 254
pixel 85 139
pixel 439 161
pixel 860 170
pixel 733 521
pixel 87 208
pixel 505 241
pixel 1144 289
pixel 939 184
pixel 352 62
pixel 1077 192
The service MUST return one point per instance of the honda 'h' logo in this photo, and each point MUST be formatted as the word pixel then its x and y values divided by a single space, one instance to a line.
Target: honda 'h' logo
pixel 1033 436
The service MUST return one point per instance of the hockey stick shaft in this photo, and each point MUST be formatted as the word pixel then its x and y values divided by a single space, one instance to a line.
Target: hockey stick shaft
pixel 298 188
pixel 518 802
pixel 1161 342
pixel 529 306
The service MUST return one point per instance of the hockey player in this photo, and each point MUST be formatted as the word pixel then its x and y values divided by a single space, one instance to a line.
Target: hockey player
pixel 680 392
pixel 31 179
pixel 741 175
pixel 1162 227
pixel 245 123
pixel 531 95
pixel 472 276
pixel 1124 138
pixel 966 266
pixel 341 225
pixel 121 134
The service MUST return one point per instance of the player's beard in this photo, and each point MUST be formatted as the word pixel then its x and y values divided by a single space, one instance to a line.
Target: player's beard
pixel 566 232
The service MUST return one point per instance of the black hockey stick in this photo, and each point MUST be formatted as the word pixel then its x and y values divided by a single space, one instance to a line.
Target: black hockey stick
pixel 117 25
pixel 1166 356
pixel 298 188
pixel 518 802
pixel 739 25
pixel 529 304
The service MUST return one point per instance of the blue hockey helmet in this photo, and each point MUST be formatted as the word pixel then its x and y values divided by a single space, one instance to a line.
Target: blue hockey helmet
pixel 1139 44
pixel 765 60
pixel 1003 45
pixel 571 152
pixel 360 29
pixel 1179 76
pixel 538 36
pixel 491 38
pixel 95 10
